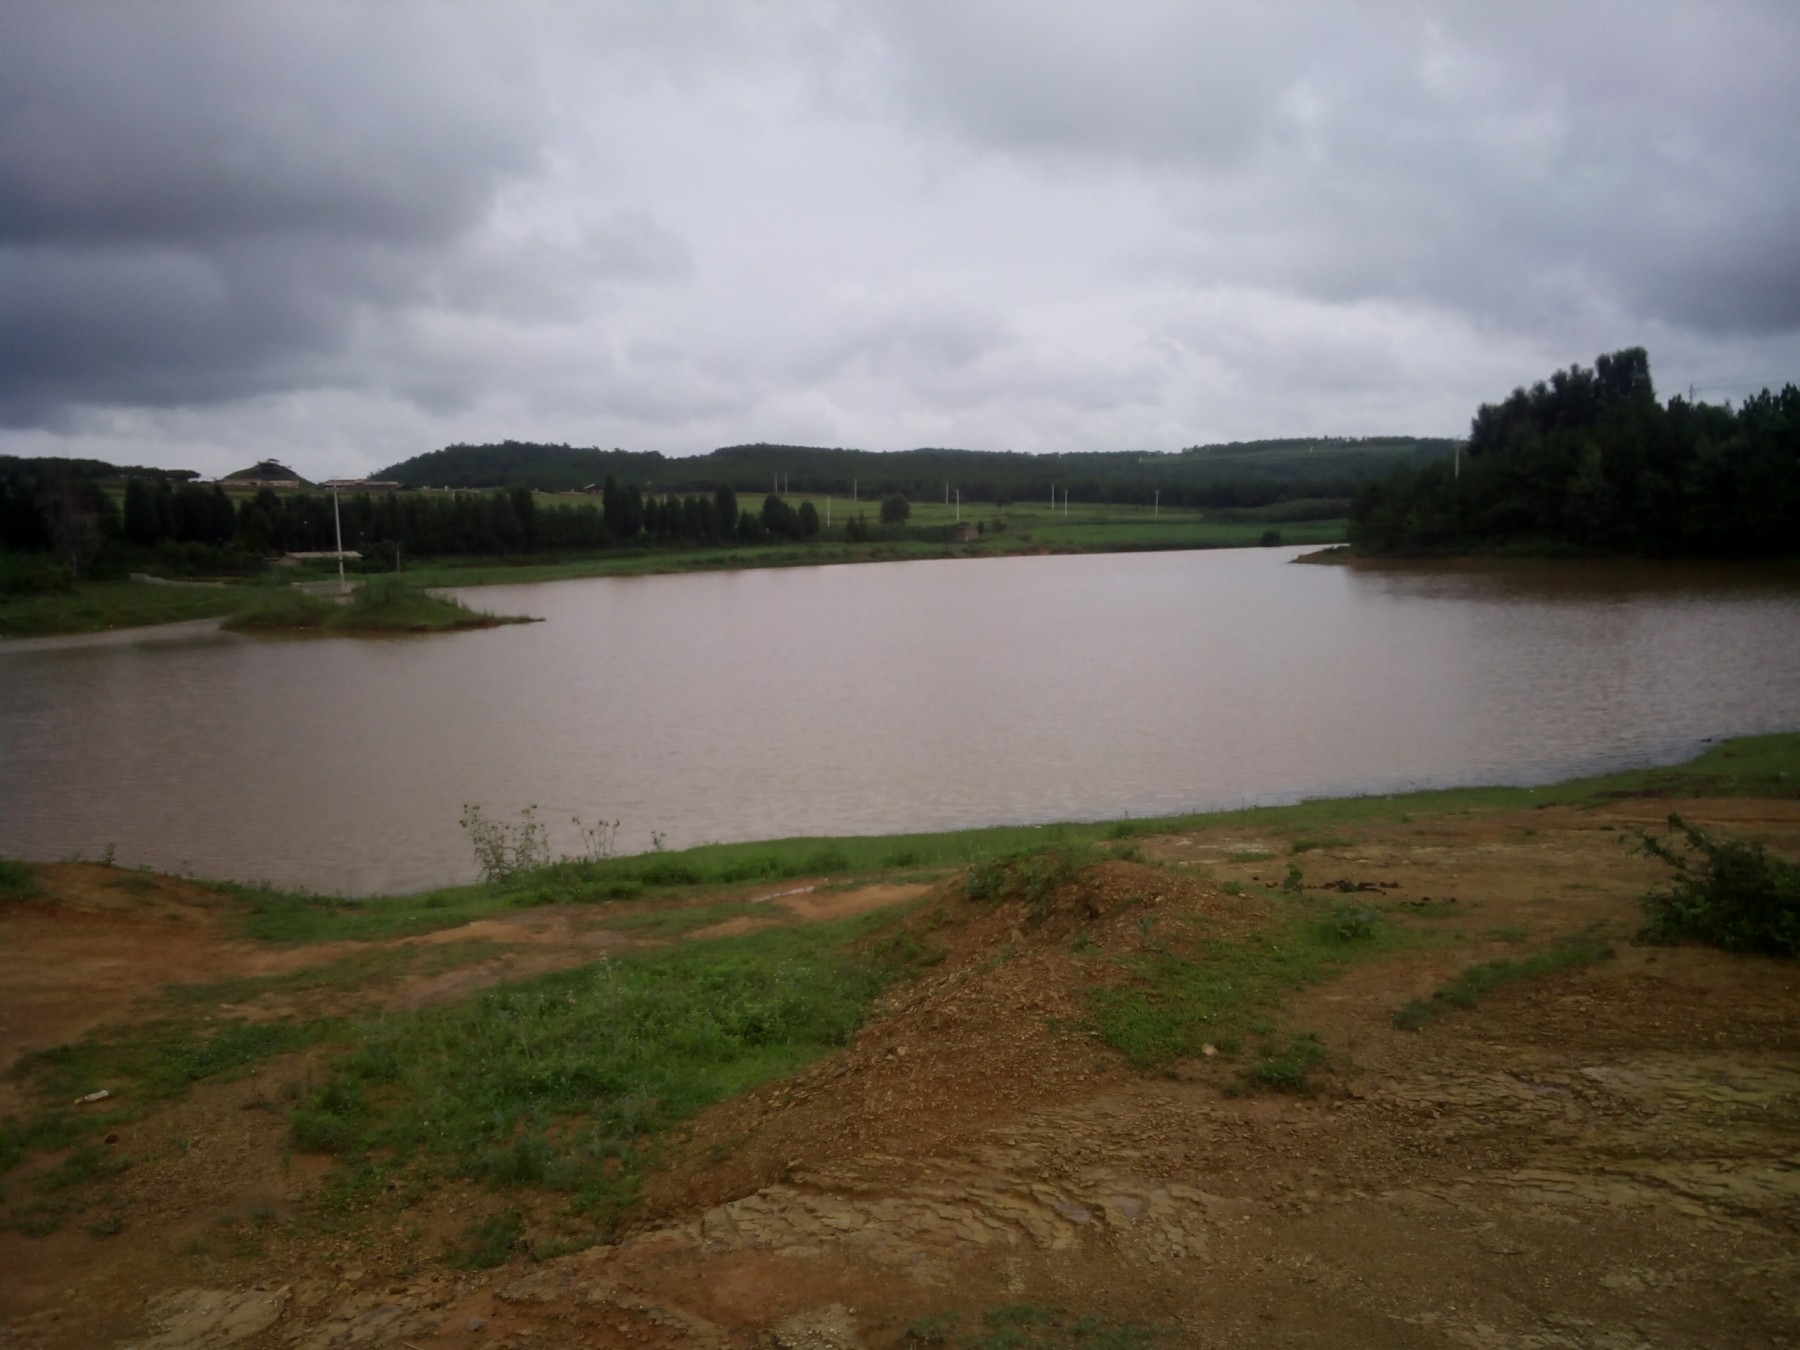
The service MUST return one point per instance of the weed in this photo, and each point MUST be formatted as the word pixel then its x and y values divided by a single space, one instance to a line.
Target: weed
pixel 503 851
pixel 1351 923
pixel 489 1242
pixel 1477 982
pixel 1284 1068
pixel 901 857
pixel 1292 883
pixel 1727 893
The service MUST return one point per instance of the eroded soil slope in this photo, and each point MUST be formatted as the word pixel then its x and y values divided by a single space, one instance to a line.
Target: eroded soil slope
pixel 1605 1156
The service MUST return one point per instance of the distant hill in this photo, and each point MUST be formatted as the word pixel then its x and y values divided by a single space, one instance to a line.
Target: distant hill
pixel 1237 473
pixel 548 468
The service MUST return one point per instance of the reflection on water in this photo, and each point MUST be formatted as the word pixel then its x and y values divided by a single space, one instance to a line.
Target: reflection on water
pixel 878 698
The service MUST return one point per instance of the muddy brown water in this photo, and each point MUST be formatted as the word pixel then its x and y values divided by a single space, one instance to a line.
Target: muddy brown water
pixel 876 699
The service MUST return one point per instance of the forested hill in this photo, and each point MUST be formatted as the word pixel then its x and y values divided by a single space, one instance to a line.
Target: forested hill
pixel 1590 461
pixel 1239 473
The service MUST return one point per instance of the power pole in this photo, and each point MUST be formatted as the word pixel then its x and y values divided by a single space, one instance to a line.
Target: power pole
pixel 338 520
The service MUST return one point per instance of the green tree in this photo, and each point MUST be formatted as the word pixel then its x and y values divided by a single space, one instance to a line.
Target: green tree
pixel 809 520
pixel 895 509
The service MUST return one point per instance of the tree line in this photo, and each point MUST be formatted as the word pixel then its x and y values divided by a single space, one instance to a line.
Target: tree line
pixel 1590 461
pixel 1239 474
pixel 64 510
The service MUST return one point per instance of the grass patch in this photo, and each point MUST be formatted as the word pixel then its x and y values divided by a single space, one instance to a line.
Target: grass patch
pixel 1477 982
pixel 1284 1066
pixel 1221 989
pixel 385 605
pixel 1727 893
pixel 1031 876
pixel 1031 1326
pixel 565 1081
pixel 18 880
pixel 98 606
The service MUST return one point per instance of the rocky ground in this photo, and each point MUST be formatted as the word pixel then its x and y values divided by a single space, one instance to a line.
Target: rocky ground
pixel 1606 1156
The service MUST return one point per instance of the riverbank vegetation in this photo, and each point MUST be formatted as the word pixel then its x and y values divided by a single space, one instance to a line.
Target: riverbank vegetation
pixel 641 1042
pixel 381 605
pixel 1590 462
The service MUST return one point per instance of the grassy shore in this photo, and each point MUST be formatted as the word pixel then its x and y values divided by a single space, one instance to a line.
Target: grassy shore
pixel 563 1085
pixel 380 606
pixel 100 606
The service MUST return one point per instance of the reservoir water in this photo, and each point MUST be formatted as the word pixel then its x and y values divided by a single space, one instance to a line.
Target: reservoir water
pixel 876 699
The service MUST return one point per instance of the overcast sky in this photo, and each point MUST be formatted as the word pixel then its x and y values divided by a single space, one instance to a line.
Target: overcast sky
pixel 341 234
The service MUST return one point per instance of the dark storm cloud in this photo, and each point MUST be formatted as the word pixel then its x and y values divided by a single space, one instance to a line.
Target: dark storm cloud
pixel 197 200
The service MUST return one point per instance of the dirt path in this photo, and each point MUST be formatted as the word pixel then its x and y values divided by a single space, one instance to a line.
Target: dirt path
pixel 1609 1156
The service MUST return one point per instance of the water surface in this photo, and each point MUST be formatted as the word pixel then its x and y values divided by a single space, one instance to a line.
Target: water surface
pixel 878 698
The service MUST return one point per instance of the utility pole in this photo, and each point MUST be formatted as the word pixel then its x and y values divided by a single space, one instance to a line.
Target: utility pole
pixel 959 504
pixel 338 520
pixel 1156 507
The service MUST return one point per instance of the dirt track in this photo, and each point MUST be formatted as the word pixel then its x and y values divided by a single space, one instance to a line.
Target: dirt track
pixel 1605 1157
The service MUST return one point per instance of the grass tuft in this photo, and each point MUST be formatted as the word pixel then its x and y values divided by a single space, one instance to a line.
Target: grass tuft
pixel 1477 982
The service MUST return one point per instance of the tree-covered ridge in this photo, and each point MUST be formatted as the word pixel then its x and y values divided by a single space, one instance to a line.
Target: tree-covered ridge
pixel 1589 460
pixel 1239 474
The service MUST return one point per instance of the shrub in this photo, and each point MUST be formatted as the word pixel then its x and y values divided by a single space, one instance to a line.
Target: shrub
pixel 17 880
pixel 1727 893
pixel 503 851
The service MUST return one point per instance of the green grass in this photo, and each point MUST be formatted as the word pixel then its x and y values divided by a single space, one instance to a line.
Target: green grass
pixel 1221 989
pixel 384 605
pixel 1767 766
pixel 17 880
pixel 97 606
pixel 1471 986
pixel 564 1082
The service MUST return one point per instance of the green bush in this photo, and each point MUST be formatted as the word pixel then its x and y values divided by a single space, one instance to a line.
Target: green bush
pixel 17 880
pixel 1727 893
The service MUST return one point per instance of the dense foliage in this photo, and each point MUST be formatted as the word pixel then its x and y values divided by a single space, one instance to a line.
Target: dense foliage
pixel 1590 461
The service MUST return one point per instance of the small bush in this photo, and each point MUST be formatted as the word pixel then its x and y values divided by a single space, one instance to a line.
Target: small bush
pixel 17 880
pixel 1727 893
pixel 1031 876
pixel 504 851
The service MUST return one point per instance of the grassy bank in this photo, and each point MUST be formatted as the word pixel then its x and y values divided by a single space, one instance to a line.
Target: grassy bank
pixel 384 605
pixel 560 1085
pixel 1758 766
pixel 101 606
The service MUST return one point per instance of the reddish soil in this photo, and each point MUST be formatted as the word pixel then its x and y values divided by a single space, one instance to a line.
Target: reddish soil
pixel 1609 1156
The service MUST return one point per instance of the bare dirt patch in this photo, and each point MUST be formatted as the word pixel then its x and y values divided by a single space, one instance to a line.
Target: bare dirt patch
pixel 1607 1156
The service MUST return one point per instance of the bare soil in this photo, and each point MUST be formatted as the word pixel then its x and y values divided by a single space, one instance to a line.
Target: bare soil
pixel 1609 1156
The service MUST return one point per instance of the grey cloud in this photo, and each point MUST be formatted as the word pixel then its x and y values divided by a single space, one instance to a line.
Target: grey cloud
pixel 198 200
pixel 1494 154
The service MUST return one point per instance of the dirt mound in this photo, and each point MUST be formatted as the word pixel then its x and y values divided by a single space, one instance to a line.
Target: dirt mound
pixel 994 1024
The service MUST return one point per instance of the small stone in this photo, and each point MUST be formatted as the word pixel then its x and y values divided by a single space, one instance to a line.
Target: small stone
pixel 475 1324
